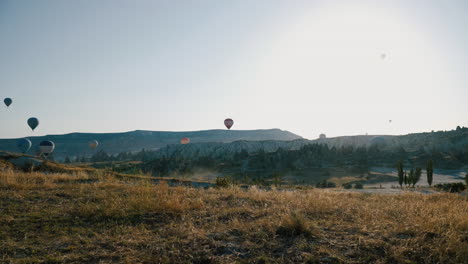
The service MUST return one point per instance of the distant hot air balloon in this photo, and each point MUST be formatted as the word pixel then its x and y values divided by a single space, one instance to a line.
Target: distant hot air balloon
pixel 24 144
pixel 46 147
pixel 228 122
pixel 383 56
pixel 322 136
pixel 33 122
pixel 93 144
pixel 8 101
pixel 185 141
pixel 390 121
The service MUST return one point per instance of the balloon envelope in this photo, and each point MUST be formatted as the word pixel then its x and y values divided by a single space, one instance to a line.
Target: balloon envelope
pixel 93 144
pixel 24 144
pixel 228 122
pixel 185 141
pixel 8 101
pixel 46 147
pixel 33 122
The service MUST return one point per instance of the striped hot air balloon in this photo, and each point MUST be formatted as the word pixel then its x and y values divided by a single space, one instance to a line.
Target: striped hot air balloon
pixel 185 141
pixel 46 147
pixel 228 122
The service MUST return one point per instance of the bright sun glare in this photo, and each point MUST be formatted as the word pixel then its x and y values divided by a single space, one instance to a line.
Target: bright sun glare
pixel 328 67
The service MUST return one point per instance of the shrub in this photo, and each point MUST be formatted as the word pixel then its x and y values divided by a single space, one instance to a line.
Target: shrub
pixel 223 182
pixel 347 185
pixel 294 225
pixel 325 184
pixel 358 186
pixel 451 187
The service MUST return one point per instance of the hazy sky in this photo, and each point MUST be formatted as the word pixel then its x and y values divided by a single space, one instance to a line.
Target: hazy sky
pixel 304 66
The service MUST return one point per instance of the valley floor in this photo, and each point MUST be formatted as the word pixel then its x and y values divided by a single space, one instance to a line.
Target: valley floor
pixel 81 218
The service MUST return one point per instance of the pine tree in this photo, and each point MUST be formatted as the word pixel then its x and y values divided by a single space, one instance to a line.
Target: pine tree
pixel 67 160
pixel 411 177
pixel 400 173
pixel 429 172
pixel 417 176
pixel 405 179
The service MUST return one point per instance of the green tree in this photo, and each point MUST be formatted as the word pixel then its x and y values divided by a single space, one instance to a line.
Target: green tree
pixel 358 185
pixel 417 176
pixel 466 178
pixel 277 179
pixel 400 173
pixel 429 172
pixel 405 177
pixel 67 160
pixel 411 177
pixel 101 155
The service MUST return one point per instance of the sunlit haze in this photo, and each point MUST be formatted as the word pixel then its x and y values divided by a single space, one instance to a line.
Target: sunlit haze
pixel 309 67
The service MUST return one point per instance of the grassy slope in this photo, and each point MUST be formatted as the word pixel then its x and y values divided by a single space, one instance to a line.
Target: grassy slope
pixel 77 218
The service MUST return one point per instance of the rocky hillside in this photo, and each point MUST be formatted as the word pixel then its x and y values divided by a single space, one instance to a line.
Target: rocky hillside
pixel 76 144
pixel 444 143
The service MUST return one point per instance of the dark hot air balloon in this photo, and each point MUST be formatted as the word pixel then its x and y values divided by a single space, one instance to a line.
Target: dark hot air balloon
pixel 228 122
pixel 8 101
pixel 24 144
pixel 33 122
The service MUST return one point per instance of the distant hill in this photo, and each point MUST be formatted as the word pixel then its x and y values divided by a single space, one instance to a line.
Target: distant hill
pixel 304 159
pixel 440 142
pixel 76 144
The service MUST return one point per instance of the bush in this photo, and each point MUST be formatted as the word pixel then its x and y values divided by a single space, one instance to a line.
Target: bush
pixel 347 185
pixel 450 187
pixel 358 186
pixel 325 184
pixel 294 225
pixel 223 182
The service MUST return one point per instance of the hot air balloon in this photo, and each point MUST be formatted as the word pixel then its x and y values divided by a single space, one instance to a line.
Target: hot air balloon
pixel 390 121
pixel 322 136
pixel 93 144
pixel 24 144
pixel 185 141
pixel 383 56
pixel 228 122
pixel 33 122
pixel 46 147
pixel 8 101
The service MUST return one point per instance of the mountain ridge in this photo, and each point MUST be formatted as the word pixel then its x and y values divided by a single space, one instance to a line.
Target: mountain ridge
pixel 76 143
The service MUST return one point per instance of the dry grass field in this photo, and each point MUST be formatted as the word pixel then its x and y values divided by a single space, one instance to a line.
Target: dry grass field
pixel 96 218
